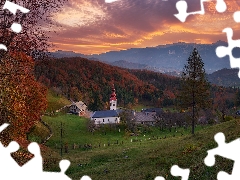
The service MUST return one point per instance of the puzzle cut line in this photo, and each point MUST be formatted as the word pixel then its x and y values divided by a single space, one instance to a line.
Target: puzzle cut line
pixel 33 169
pixel 227 150
pixel 182 7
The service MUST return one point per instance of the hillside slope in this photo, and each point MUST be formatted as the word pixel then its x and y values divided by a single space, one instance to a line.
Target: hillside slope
pixel 79 78
pixel 143 158
pixel 55 101
pixel 225 77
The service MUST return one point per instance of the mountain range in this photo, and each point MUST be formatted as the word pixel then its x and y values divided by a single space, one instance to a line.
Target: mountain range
pixel 163 58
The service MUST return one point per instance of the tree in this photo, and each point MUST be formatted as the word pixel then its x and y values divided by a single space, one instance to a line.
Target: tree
pixel 220 102
pixel 23 100
pixel 33 38
pixel 194 92
pixel 128 120
pixel 96 104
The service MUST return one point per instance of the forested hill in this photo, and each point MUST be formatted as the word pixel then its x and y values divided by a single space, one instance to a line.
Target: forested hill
pixel 225 77
pixel 91 81
pixel 159 80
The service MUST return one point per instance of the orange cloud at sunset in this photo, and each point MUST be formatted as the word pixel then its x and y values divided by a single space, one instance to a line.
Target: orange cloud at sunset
pixel 93 26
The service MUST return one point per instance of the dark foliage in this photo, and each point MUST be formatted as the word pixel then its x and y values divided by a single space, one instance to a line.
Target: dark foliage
pixel 93 80
pixel 195 89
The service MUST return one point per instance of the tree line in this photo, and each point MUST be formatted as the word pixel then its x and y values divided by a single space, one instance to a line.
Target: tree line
pixel 91 82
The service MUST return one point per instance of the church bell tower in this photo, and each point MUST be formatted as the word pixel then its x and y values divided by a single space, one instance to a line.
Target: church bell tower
pixel 113 100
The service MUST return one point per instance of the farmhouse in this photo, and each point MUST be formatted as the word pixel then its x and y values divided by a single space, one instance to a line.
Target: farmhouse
pixel 147 116
pixel 78 108
pixel 108 116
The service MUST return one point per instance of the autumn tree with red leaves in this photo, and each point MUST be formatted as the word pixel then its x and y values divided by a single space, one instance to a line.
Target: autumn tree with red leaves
pixel 22 98
pixel 33 39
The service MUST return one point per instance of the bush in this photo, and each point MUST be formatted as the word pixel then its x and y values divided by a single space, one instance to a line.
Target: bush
pixel 228 118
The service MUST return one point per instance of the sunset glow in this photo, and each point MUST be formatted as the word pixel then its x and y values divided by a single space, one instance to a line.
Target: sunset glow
pixel 93 26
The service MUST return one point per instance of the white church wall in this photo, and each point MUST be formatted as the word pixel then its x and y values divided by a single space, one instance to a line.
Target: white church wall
pixel 106 120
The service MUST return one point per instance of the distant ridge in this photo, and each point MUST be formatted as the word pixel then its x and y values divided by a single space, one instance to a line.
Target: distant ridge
pixel 128 65
pixel 163 58
pixel 60 54
pixel 225 77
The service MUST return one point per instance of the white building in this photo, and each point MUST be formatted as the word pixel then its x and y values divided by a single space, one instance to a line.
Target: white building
pixel 109 116
pixel 105 117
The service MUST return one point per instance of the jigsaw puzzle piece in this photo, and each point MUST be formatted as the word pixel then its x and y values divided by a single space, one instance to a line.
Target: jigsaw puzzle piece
pixel 226 150
pixel 85 178
pixel 10 165
pixel 182 6
pixel 223 176
pixel 35 165
pixel 221 6
pixel 236 16
pixel 177 171
pixel 5 155
pixel 210 159
pixel 3 126
pixel 64 165
pixel 222 51
pixel 159 178
pixel 182 11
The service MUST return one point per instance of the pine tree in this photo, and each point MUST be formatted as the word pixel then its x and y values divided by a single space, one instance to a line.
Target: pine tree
pixel 96 104
pixel 194 92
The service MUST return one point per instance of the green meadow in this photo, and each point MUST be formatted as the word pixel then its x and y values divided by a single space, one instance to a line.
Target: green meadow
pixel 55 101
pixel 110 154
pixel 113 154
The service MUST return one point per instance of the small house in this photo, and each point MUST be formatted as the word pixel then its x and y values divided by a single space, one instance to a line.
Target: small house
pixel 78 108
pixel 147 116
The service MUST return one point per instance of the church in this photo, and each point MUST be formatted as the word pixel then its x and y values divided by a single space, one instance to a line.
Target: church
pixel 108 116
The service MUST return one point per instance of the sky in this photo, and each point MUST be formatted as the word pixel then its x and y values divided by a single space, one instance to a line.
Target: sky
pixel 94 27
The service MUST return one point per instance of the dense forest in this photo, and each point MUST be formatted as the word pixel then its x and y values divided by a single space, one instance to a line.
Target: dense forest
pixel 91 81
pixel 169 85
pixel 225 77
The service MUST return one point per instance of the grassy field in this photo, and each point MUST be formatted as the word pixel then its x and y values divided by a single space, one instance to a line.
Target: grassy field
pixel 75 126
pixel 55 101
pixel 139 107
pixel 145 156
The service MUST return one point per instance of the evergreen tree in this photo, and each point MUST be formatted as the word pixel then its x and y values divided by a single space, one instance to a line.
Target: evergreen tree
pixel 194 92
pixel 96 104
